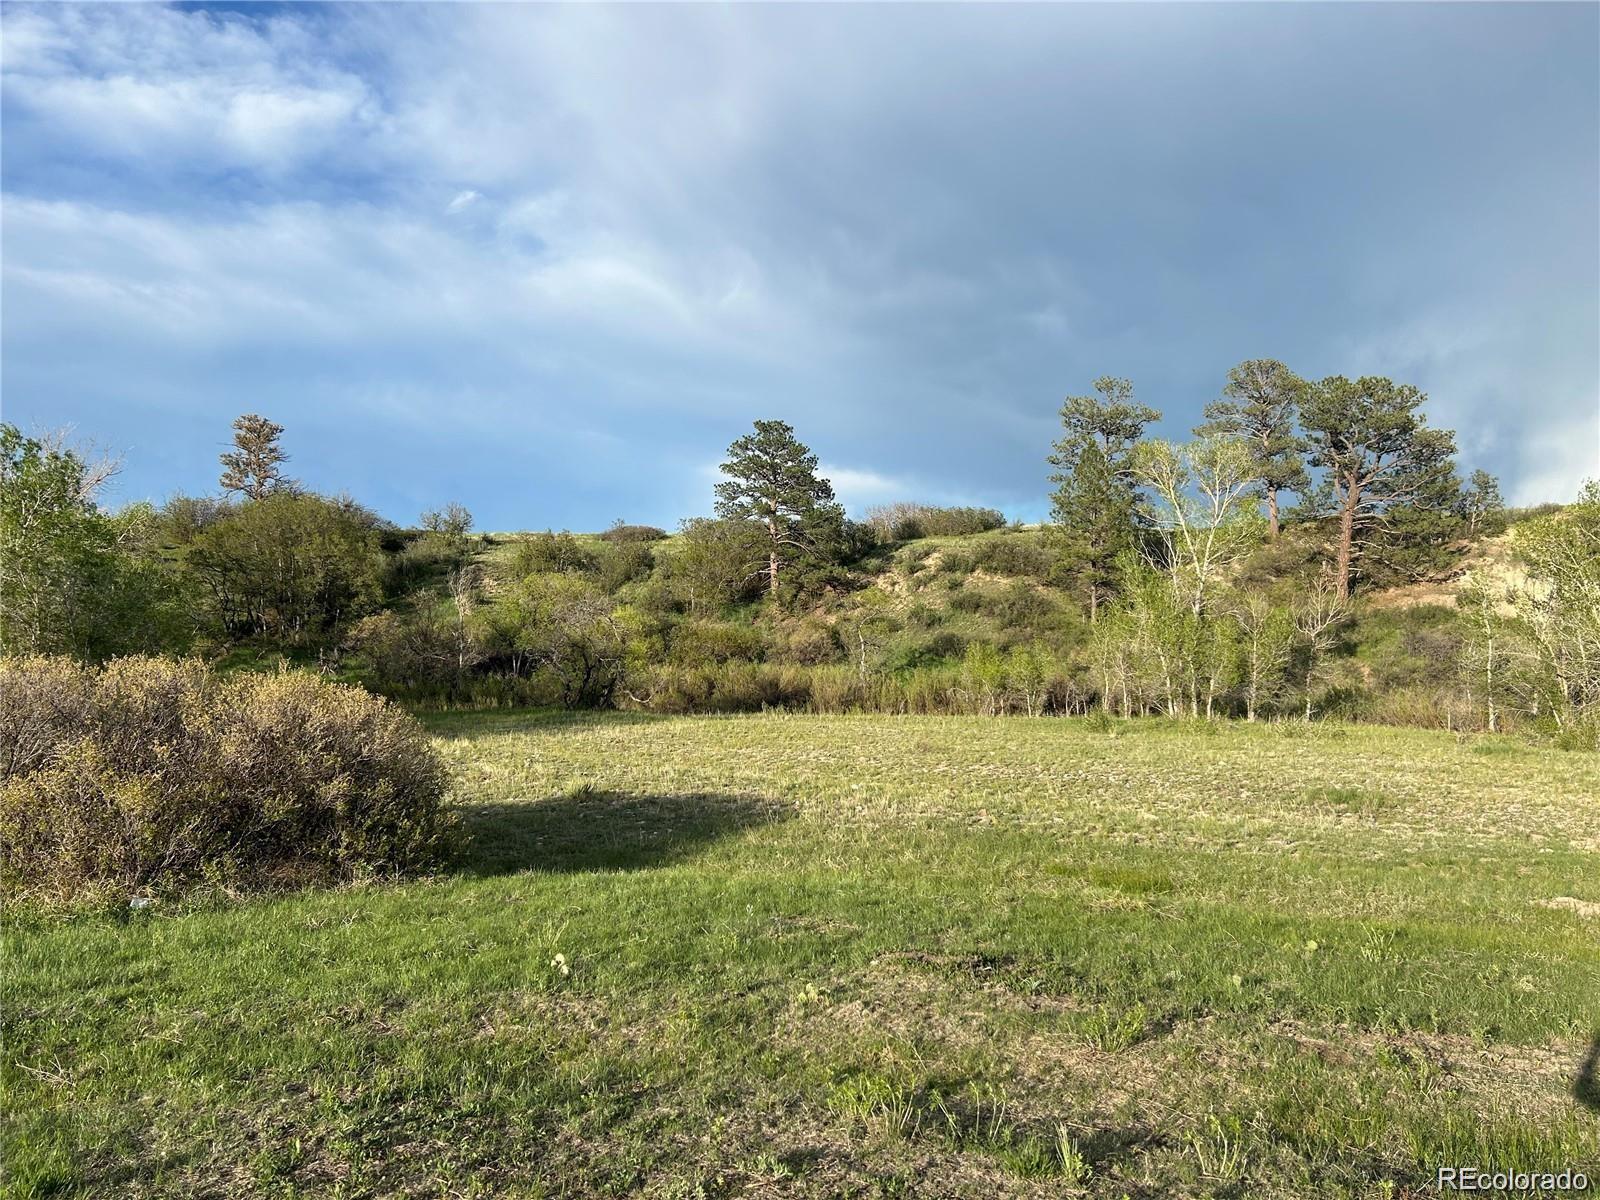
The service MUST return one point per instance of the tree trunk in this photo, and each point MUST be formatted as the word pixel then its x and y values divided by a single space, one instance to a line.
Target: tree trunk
pixel 1272 514
pixel 1347 531
pixel 772 561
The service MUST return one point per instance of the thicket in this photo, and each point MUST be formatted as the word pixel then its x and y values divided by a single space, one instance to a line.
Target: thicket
pixel 907 521
pixel 152 774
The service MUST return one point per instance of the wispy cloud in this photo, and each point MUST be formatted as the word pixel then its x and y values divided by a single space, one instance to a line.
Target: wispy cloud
pixel 489 233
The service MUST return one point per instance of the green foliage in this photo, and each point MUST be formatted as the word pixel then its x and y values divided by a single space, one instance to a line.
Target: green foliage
pixel 1482 506
pixel 772 481
pixel 1258 409
pixel 452 521
pixel 1020 554
pixel 1095 509
pixel 697 643
pixel 619 563
pixel 292 567
pixel 621 532
pixel 152 774
pixel 1559 614
pixel 413 655
pixel 547 552
pixel 716 563
pixel 183 518
pixel 73 579
pixel 1379 455
pixel 566 626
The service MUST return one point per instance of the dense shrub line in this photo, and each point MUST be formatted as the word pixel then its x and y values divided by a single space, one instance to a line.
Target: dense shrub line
pixel 155 773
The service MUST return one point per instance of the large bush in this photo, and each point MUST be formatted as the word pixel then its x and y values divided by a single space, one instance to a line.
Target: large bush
pixel 292 566
pixel 153 774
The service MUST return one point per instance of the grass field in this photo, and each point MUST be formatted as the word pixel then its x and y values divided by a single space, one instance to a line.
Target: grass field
pixel 861 956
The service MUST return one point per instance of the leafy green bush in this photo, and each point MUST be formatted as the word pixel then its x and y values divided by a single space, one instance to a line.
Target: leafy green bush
pixel 620 532
pixel 1014 554
pixel 967 600
pixel 701 643
pixel 546 553
pixel 621 563
pixel 292 567
pixel 152 774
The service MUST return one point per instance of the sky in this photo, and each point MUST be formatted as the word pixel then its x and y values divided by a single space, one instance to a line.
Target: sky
pixel 550 261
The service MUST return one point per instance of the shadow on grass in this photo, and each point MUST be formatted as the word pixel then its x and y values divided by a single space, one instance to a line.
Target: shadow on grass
pixel 589 830
pixel 470 724
pixel 1586 1087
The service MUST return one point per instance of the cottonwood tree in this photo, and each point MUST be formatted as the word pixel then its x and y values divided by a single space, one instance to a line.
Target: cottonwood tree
pixel 1559 609
pixel 1377 451
pixel 1199 491
pixel 772 480
pixel 252 466
pixel 1258 407
pixel 1095 512
pixel 1266 640
pixel 453 520
pixel 75 579
pixel 1485 651
pixel 1206 527
pixel 1318 615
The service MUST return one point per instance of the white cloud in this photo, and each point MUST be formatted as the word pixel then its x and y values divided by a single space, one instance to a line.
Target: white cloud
pixel 154 86
pixel 910 236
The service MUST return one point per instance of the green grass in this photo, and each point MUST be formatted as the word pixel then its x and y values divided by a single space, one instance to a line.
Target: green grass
pixel 860 956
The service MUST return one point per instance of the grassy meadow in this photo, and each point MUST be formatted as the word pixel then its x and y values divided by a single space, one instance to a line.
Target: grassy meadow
pixel 860 956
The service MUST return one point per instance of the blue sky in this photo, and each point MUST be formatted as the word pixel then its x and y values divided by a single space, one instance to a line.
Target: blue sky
pixel 549 261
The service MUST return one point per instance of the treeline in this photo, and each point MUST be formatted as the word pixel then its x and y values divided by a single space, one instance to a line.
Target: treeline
pixel 1230 575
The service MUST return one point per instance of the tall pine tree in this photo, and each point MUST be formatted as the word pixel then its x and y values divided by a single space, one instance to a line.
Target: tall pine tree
pixel 1378 454
pixel 772 479
pixel 1095 506
pixel 1258 406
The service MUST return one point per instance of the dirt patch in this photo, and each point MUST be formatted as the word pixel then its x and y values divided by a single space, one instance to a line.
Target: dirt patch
pixel 1584 908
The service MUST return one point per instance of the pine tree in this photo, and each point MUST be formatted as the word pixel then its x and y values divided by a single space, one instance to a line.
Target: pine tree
pixel 252 465
pixel 1259 408
pixel 1378 452
pixel 1484 510
pixel 1095 507
pixel 772 479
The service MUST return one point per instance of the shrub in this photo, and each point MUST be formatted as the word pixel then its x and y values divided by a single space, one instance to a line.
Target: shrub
pixel 547 553
pixel 293 566
pixel 621 563
pixel 1019 606
pixel 967 600
pixel 700 643
pixel 1013 555
pixel 953 562
pixel 153 774
pixel 633 533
